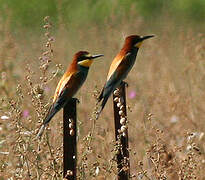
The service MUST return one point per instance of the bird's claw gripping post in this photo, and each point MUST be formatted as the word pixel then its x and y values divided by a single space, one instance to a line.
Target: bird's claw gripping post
pixel 77 100
pixel 126 84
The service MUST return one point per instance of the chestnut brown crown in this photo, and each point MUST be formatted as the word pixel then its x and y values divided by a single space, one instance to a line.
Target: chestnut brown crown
pixel 82 55
pixel 134 40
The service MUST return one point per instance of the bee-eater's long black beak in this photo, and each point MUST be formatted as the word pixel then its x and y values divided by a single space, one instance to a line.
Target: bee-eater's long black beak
pixel 96 56
pixel 147 37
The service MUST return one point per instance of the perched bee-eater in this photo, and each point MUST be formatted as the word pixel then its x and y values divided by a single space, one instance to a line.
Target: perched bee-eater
pixel 69 84
pixel 120 67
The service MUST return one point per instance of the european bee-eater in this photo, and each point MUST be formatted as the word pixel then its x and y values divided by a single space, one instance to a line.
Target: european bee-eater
pixel 120 67
pixel 69 84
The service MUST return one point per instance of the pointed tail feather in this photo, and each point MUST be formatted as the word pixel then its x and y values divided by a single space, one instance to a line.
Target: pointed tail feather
pixel 52 111
pixel 104 95
pixel 100 96
pixel 102 106
pixel 98 113
pixel 41 130
pixel 104 102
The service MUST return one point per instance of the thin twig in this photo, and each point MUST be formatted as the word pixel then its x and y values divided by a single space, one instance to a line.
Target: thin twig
pixel 49 147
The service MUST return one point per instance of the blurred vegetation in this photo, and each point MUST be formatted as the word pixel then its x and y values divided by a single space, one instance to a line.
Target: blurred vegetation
pixel 166 116
pixel 72 13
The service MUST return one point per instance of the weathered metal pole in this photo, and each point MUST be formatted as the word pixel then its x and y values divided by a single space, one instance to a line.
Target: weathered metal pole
pixel 69 140
pixel 121 132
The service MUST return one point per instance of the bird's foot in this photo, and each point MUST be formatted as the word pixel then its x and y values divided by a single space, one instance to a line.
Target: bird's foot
pixel 76 99
pixel 126 84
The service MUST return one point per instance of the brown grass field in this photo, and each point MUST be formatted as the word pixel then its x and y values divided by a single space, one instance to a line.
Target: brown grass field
pixel 165 98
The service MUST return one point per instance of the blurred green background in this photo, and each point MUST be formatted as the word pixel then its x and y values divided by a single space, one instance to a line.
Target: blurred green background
pixel 28 14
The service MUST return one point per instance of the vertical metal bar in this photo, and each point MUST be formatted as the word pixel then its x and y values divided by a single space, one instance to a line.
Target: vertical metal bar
pixel 69 140
pixel 123 163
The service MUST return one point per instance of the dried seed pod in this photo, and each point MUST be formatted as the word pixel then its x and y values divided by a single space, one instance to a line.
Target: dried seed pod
pixel 72 132
pixel 71 125
pixel 46 26
pixel 119 104
pixel 122 121
pixel 45 67
pixel 40 96
pixel 48 44
pixel 117 151
pixel 121 113
pixel 119 131
pixel 124 134
pixel 122 107
pixel 116 92
pixel 123 128
pixel 51 39
pixel 69 173
pixel 45 79
pixel 150 114
pixel 46 53
pixel 116 99
pixel 47 34
pixel 46 18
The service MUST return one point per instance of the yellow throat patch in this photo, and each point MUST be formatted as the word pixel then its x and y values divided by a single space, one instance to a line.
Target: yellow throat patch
pixel 86 62
pixel 138 44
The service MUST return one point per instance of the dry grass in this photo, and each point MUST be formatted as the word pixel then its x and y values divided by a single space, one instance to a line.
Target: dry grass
pixel 166 100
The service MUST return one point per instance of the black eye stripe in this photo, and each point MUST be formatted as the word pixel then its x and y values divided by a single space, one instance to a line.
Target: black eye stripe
pixel 83 58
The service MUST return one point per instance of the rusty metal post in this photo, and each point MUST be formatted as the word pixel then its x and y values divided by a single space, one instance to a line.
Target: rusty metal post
pixel 121 132
pixel 69 140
